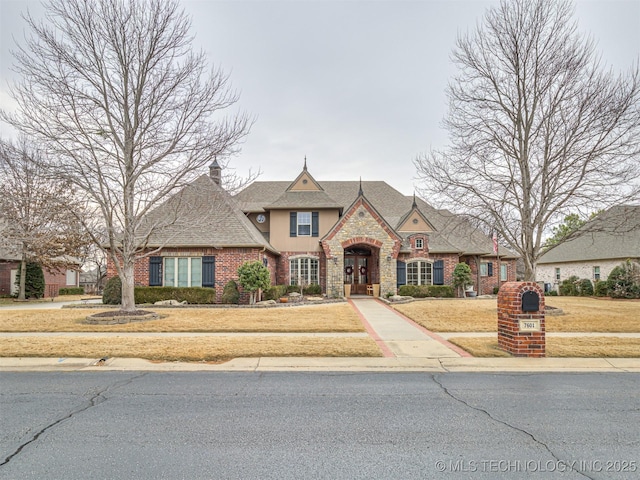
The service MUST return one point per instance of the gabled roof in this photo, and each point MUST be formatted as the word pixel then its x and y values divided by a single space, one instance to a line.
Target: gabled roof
pixel 361 200
pixel 414 220
pixel 452 233
pixel 611 235
pixel 303 199
pixel 203 214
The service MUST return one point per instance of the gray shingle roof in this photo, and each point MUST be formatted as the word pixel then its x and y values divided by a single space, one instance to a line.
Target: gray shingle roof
pixel 200 215
pixel 453 234
pixel 614 234
pixel 303 199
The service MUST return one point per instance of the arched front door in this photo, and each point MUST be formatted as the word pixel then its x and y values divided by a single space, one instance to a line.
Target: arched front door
pixel 360 268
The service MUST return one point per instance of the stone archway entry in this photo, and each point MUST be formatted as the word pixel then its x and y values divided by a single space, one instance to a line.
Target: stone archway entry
pixel 361 268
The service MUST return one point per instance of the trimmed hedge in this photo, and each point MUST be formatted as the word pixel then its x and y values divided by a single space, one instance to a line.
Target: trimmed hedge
pixel 423 291
pixel 313 289
pixel 71 291
pixel 231 294
pixel 112 294
pixel 274 292
pixel 601 288
pixel 192 295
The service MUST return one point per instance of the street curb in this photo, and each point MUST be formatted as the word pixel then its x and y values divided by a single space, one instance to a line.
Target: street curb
pixel 332 364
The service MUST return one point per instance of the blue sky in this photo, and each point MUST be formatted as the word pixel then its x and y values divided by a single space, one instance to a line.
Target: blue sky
pixel 358 87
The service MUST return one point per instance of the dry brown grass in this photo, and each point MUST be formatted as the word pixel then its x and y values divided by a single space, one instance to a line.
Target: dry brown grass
pixel 64 298
pixel 583 347
pixel 313 318
pixel 188 349
pixel 480 315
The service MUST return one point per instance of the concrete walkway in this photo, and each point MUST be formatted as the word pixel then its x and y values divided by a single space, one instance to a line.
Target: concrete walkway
pixel 398 336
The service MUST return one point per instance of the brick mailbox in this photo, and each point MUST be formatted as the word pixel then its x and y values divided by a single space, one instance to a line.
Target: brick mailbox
pixel 521 328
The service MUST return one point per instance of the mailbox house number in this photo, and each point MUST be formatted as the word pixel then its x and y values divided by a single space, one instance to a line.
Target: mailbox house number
pixel 529 325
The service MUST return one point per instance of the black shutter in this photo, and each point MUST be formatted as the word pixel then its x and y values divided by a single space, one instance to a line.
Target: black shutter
pixel 438 272
pixel 490 269
pixel 402 273
pixel 293 224
pixel 314 224
pixel 208 271
pixel 155 271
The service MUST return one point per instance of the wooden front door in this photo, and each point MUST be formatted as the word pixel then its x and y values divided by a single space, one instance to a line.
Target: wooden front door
pixel 356 270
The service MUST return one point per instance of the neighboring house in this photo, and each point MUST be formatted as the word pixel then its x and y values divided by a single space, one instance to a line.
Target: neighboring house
pixel 599 245
pixel 93 280
pixel 54 280
pixel 366 235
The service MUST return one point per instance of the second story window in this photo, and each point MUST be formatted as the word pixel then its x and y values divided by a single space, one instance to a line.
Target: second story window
pixel 419 243
pixel 304 224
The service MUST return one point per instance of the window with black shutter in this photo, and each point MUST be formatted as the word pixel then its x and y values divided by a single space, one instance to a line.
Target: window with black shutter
pixel 155 271
pixel 208 271
pixel 438 272
pixel 304 224
pixel 401 271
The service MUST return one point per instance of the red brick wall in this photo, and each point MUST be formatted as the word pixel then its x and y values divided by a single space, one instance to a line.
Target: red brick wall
pixel 488 283
pixel 282 270
pixel 53 281
pixel 510 338
pixel 5 277
pixel 228 260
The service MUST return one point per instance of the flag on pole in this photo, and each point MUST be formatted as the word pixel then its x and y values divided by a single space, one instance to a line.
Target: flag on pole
pixel 495 243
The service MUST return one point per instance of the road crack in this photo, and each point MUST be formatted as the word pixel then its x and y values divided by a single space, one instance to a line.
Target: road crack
pixel 506 424
pixel 96 399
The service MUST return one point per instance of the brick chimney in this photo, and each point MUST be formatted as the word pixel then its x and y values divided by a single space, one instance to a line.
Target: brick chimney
pixel 215 172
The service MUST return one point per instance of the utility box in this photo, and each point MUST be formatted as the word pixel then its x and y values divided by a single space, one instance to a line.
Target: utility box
pixel 521 325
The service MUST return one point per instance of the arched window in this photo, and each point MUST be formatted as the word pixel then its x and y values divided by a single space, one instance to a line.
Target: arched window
pixel 303 270
pixel 419 272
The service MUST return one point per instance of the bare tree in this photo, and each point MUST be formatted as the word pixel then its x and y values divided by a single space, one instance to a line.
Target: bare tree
pixel 538 129
pixel 114 89
pixel 40 215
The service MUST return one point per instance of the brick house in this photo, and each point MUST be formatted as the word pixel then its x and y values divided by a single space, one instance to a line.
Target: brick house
pixel 53 280
pixel 363 236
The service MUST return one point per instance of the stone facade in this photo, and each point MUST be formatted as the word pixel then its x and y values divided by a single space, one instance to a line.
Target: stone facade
pixel 546 273
pixel 361 225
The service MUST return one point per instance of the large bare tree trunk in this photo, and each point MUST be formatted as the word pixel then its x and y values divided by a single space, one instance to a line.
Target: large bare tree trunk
pixel 23 276
pixel 128 288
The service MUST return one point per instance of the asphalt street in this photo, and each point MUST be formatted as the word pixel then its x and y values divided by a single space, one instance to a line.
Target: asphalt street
pixel 204 425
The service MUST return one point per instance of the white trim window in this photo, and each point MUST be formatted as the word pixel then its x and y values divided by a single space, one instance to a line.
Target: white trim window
pixel 596 273
pixel 304 224
pixel 503 272
pixel 419 243
pixel 419 272
pixel 303 270
pixel 484 269
pixel 71 278
pixel 557 274
pixel 182 272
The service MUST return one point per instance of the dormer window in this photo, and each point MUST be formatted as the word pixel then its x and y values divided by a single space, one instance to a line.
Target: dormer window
pixel 419 243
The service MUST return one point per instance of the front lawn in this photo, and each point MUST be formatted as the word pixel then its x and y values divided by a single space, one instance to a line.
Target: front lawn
pixel 480 315
pixel 338 317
